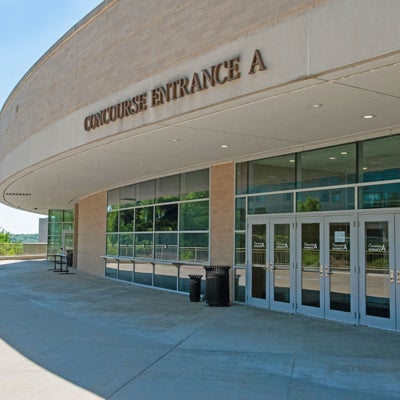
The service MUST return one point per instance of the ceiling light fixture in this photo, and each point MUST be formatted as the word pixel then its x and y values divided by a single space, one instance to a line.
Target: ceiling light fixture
pixel 344 153
pixel 224 146
pixel 316 105
pixel 332 158
pixel 369 116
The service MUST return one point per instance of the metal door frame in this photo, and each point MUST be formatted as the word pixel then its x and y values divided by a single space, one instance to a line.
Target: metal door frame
pixel 369 320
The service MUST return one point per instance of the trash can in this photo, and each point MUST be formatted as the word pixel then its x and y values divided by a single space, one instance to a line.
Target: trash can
pixel 70 257
pixel 195 287
pixel 217 285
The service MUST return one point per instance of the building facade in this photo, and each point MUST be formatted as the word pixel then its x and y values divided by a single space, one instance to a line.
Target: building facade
pixel 164 137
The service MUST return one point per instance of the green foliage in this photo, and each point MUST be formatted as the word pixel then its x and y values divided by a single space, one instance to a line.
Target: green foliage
pixel 310 204
pixel 7 247
pixel 310 258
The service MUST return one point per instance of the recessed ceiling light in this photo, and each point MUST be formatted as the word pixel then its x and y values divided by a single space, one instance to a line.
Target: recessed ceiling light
pixel 332 158
pixel 224 146
pixel 343 153
pixel 174 140
pixel 316 105
pixel 369 116
pixel 292 161
pixel 364 168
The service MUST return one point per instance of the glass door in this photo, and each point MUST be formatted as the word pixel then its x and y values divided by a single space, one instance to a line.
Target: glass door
pixel 281 264
pixel 257 246
pixel 271 263
pixel 397 272
pixel 339 269
pixel 378 273
pixel 326 267
pixel 309 266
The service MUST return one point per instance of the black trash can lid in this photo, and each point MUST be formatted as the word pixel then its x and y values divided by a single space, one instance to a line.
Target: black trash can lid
pixel 195 276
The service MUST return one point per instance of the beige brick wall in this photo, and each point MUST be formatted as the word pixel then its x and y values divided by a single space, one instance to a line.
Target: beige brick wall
pixel 222 213
pixel 91 242
pixel 126 42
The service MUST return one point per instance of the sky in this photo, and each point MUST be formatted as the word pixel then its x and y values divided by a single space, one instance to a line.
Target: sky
pixel 28 28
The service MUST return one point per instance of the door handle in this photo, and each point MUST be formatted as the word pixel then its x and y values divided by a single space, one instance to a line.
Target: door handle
pixel 398 277
pixel 271 266
pixel 391 276
pixel 321 270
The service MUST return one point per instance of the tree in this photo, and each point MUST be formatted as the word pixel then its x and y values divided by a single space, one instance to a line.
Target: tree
pixel 6 246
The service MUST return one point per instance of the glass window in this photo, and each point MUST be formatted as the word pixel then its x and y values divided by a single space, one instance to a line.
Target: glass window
pixel 112 221
pixel 240 248
pixel 272 174
pixel 127 196
pixel 271 204
pixel 166 217
pixel 126 245
pixel 194 185
pixel 112 199
pixel 68 216
pixel 145 192
pixel 379 196
pixel 240 214
pixel 54 245
pixel 194 216
pixel 125 271
pixel 144 245
pixel 326 200
pixel 143 274
pixel 193 246
pixel 56 216
pixel 111 269
pixel 240 285
pixel 55 229
pixel 126 220
pixel 167 189
pixel 112 244
pixel 165 276
pixel 379 159
pixel 144 219
pixel 327 167
pixel 241 177
pixel 166 246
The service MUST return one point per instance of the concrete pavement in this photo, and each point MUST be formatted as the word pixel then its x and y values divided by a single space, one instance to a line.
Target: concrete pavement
pixel 83 337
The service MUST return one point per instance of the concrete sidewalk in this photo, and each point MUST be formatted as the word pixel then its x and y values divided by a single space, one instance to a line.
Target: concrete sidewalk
pixel 82 337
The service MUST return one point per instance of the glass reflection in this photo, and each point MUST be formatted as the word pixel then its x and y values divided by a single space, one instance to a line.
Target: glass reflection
pixel 194 216
pixel 166 217
pixel 240 285
pixel 144 245
pixel 193 246
pixel 327 167
pixel 111 269
pixel 143 274
pixel 379 159
pixel 282 263
pixel 310 265
pixel 339 263
pixel 125 271
pixel 258 261
pixel 166 276
pixel 377 269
